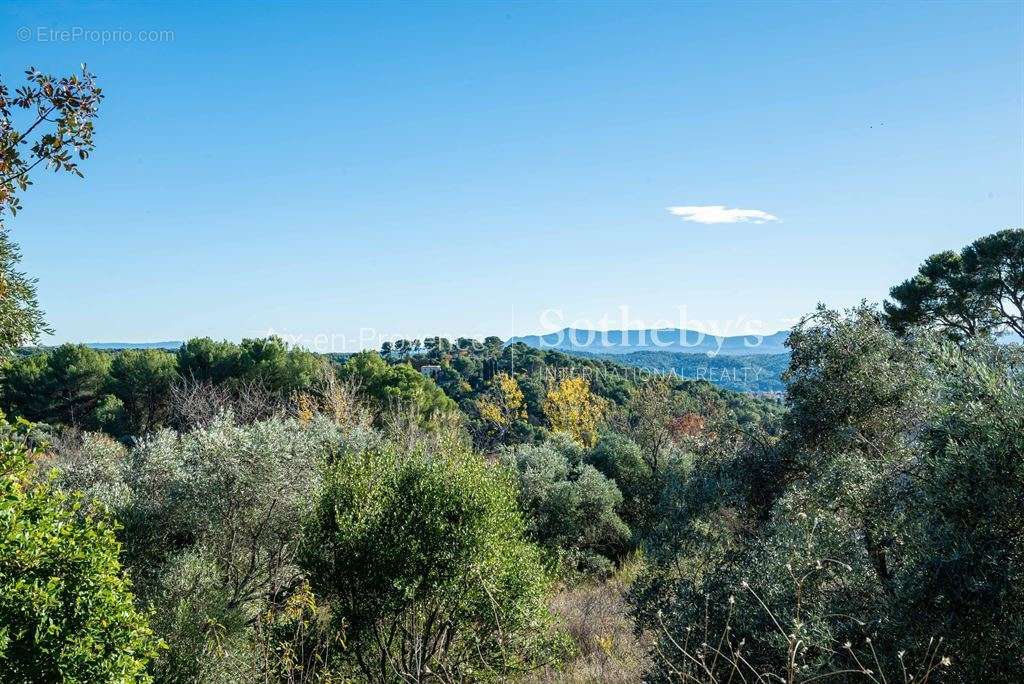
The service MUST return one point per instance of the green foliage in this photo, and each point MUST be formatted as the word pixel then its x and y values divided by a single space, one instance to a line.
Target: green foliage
pixel 21 320
pixel 424 557
pixel 141 379
pixel 278 368
pixel 129 393
pixel 964 534
pixel 204 360
pixel 886 510
pixel 69 104
pixel 62 385
pixel 571 507
pixel 394 387
pixel 976 291
pixel 268 362
pixel 61 121
pixel 66 611
pixel 211 525
pixel 619 459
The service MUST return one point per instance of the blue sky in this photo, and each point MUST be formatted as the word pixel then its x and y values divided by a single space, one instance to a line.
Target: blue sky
pixel 413 169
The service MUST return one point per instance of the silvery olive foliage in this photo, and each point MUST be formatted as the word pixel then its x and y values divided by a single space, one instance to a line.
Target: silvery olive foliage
pixel 211 522
pixel 571 507
pixel 886 517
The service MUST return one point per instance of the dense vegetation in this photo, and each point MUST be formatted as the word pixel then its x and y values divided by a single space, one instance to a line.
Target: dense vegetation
pixel 466 511
pixel 740 373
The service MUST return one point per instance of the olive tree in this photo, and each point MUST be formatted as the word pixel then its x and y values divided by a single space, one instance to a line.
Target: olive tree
pixel 211 524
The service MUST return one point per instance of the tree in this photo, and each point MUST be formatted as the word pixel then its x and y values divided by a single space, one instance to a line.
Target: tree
pixel 69 104
pixel 211 522
pixel 22 387
pixel 621 460
pixel 63 385
pixel 889 508
pixel 388 387
pixel 66 610
pixel 402 348
pixel 60 123
pixel 997 262
pixel 647 418
pixel 965 542
pixel 501 408
pixel 203 360
pixel 142 379
pixel 437 347
pixel 270 362
pixel 21 320
pixel 979 290
pixel 571 408
pixel 493 345
pixel 424 557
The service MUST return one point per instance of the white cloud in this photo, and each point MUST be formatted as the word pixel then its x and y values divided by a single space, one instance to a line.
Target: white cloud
pixel 717 213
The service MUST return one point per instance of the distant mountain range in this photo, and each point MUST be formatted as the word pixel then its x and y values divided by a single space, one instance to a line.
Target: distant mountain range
pixel 664 340
pixel 172 345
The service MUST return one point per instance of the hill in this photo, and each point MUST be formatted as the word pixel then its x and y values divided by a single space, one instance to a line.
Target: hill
pixel 662 340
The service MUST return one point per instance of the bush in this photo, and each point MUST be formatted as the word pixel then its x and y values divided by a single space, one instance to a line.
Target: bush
pixel 571 508
pixel 394 388
pixel 889 509
pixel 211 525
pixel 424 557
pixel 619 458
pixel 66 610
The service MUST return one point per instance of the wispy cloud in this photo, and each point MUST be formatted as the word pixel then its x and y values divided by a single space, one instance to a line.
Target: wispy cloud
pixel 717 213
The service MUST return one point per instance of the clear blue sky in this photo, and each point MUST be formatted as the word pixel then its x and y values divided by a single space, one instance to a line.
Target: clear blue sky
pixel 460 168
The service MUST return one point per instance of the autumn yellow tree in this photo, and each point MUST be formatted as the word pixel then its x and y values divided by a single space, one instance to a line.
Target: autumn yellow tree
pixel 572 408
pixel 503 405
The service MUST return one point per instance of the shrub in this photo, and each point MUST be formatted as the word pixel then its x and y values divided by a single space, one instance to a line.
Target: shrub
pixel 211 525
pixel 889 509
pixel 424 557
pixel 619 458
pixel 66 610
pixel 571 508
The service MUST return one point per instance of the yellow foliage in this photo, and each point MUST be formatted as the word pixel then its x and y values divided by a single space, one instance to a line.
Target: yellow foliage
pixel 506 402
pixel 304 408
pixel 511 395
pixel 491 411
pixel 571 408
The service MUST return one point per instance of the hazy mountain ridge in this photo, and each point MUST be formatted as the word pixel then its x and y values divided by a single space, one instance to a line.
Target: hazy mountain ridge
pixel 171 345
pixel 675 340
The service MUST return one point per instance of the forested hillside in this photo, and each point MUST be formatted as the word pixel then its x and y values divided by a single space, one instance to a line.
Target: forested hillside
pixel 740 373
